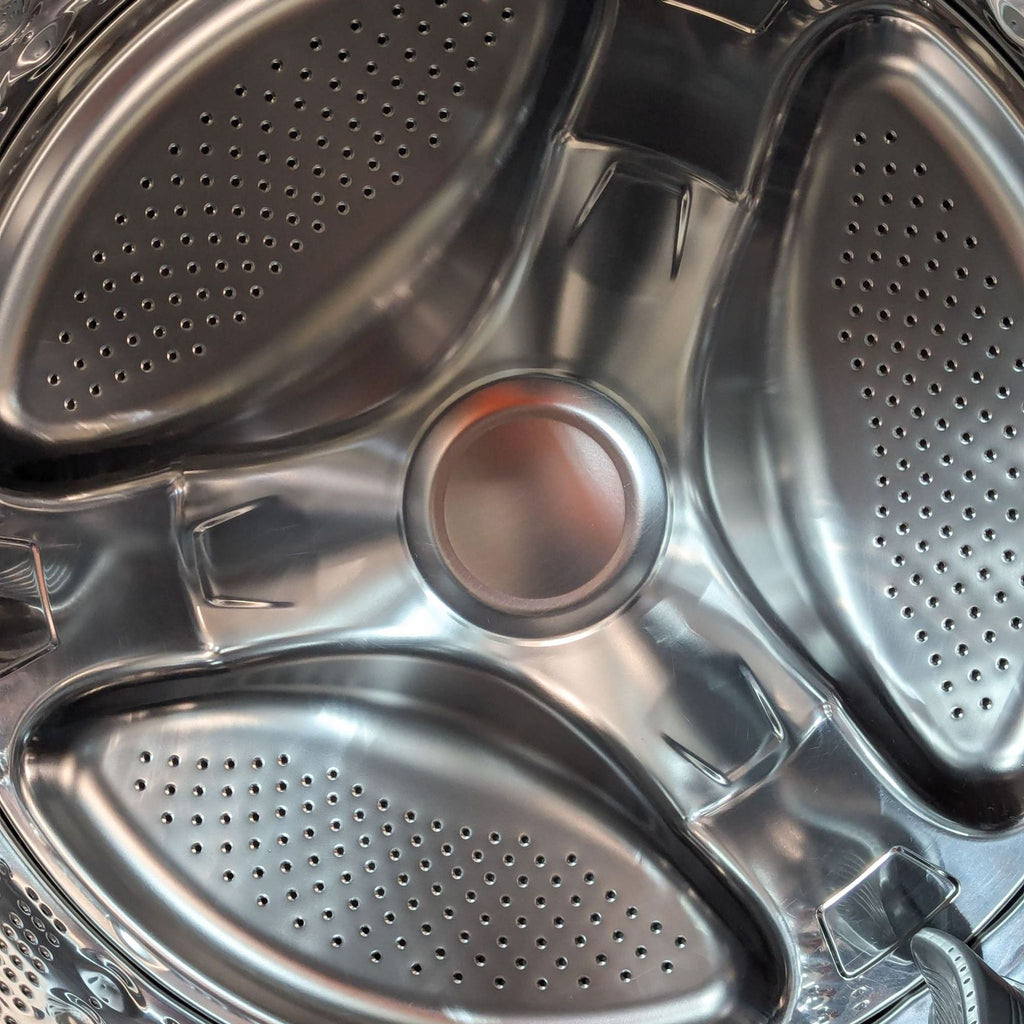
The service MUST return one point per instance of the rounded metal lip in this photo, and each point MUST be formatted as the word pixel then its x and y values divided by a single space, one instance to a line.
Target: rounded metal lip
pixel 590 510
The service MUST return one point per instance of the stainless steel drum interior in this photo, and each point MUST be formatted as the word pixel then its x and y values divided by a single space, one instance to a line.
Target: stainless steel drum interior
pixel 511 511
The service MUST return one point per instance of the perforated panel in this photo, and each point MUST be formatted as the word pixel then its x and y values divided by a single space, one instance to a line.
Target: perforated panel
pixel 382 850
pixel 239 211
pixel 910 367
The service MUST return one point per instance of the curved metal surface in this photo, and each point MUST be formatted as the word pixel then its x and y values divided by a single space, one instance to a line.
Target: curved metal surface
pixel 535 505
pixel 334 825
pixel 892 369
pixel 189 205
pixel 577 645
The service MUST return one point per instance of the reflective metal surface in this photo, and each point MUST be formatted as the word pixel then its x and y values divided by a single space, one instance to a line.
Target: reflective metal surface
pixel 535 505
pixel 891 365
pixel 503 629
pixel 1009 15
pixel 266 182
pixel 333 826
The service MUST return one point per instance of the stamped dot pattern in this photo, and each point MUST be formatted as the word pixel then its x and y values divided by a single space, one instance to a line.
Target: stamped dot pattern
pixel 47 973
pixel 310 148
pixel 404 896
pixel 32 937
pixel 922 326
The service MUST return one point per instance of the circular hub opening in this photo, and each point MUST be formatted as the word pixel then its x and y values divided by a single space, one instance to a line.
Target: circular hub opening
pixel 534 505
pixel 533 508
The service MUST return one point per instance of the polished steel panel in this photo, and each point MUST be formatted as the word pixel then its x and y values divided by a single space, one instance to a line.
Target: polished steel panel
pixel 889 402
pixel 500 629
pixel 248 182
pixel 382 852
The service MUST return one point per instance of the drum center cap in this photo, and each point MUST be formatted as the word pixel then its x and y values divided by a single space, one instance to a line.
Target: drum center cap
pixel 530 505
pixel 533 495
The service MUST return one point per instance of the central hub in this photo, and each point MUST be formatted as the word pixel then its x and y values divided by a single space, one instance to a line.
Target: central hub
pixel 535 504
pixel 529 506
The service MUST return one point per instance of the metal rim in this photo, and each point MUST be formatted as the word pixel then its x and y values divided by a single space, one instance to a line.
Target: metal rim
pixel 597 416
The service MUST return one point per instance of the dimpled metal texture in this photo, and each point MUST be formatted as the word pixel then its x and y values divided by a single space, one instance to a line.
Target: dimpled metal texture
pixel 913 347
pixel 223 221
pixel 33 937
pixel 943 418
pixel 46 974
pixel 347 842
pixel 740 306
